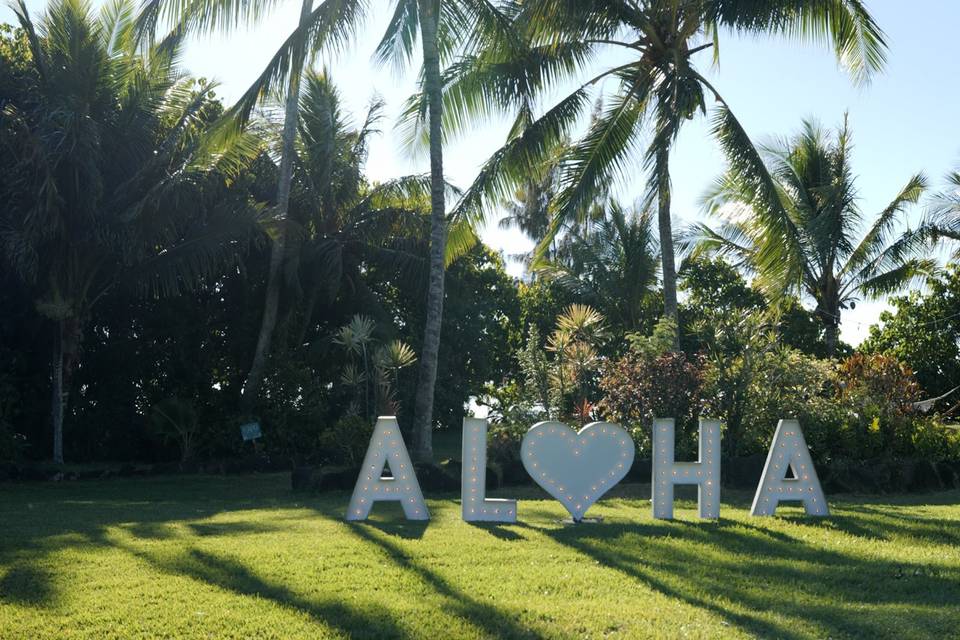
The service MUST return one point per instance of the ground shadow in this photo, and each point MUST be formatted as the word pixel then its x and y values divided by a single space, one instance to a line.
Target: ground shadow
pixel 231 575
pixel 679 560
pixel 499 530
pixel 489 618
pixel 24 584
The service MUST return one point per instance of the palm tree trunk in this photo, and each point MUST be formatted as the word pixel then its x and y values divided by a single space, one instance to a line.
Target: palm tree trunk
pixel 251 386
pixel 831 335
pixel 669 268
pixel 307 323
pixel 423 404
pixel 56 405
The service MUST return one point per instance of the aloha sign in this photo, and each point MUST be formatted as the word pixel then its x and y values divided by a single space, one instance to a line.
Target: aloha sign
pixel 578 467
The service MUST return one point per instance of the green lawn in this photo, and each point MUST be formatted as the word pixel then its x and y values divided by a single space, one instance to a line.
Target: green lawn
pixel 242 557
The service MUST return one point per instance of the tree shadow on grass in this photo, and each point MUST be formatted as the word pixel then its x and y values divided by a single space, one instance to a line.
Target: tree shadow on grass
pixel 866 521
pixel 500 530
pixel 40 520
pixel 24 584
pixel 389 518
pixel 232 576
pixel 743 575
pixel 489 618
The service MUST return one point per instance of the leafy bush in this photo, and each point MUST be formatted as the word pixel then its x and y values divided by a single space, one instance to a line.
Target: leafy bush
pixel 12 444
pixel 176 420
pixel 511 416
pixel 931 440
pixel 787 384
pixel 638 388
pixel 878 393
pixel 924 333
pixel 295 410
pixel 346 442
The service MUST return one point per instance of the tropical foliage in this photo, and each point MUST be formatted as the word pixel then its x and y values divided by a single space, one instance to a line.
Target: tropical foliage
pixel 794 220
pixel 174 268
pixel 554 43
pixel 112 174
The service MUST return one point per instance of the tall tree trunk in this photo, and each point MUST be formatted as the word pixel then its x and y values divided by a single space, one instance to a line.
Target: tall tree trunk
pixel 423 405
pixel 665 225
pixel 57 400
pixel 307 323
pixel 831 334
pixel 66 350
pixel 828 313
pixel 251 386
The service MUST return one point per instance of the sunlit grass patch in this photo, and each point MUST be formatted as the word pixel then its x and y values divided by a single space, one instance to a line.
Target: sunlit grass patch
pixel 243 557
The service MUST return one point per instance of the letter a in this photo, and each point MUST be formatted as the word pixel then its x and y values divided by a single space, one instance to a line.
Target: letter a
pixel 789 451
pixel 387 448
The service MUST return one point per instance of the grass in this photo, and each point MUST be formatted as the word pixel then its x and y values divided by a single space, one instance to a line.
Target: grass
pixel 245 558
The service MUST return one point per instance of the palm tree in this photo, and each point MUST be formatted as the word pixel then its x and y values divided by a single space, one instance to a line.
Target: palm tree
pixel 791 216
pixel 398 43
pixel 328 26
pixel 659 83
pixel 110 175
pixel 610 260
pixel 943 214
pixel 441 27
pixel 528 211
pixel 343 225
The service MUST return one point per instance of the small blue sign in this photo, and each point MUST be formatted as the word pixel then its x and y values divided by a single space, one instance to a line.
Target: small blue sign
pixel 250 431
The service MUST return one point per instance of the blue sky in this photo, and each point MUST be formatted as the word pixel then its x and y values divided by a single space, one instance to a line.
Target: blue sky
pixel 906 121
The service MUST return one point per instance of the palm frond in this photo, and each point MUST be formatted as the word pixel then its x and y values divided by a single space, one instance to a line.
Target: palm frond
pixel 878 236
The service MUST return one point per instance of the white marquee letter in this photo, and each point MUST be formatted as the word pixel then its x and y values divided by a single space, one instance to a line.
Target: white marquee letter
pixel 387 448
pixel 476 507
pixel 789 450
pixel 666 472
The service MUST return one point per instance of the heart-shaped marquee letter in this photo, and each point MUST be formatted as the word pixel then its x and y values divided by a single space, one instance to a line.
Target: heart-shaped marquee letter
pixel 577 468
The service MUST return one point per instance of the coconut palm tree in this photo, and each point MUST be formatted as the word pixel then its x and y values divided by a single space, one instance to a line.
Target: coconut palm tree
pixel 943 214
pixel 111 176
pixel 792 217
pixel 442 27
pixel 610 260
pixel 341 224
pixel 328 26
pixel 657 81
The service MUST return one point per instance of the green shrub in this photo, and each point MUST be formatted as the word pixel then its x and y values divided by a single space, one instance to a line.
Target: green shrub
pixel 934 441
pixel 878 391
pixel 345 443
pixel 511 416
pixel 294 409
pixel 638 388
pixel 12 444
pixel 787 384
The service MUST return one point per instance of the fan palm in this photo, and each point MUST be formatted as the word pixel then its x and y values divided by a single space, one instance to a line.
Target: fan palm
pixel 793 218
pixel 110 175
pixel 610 260
pixel 657 83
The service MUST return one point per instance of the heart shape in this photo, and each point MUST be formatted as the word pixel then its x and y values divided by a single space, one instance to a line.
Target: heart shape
pixel 577 468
